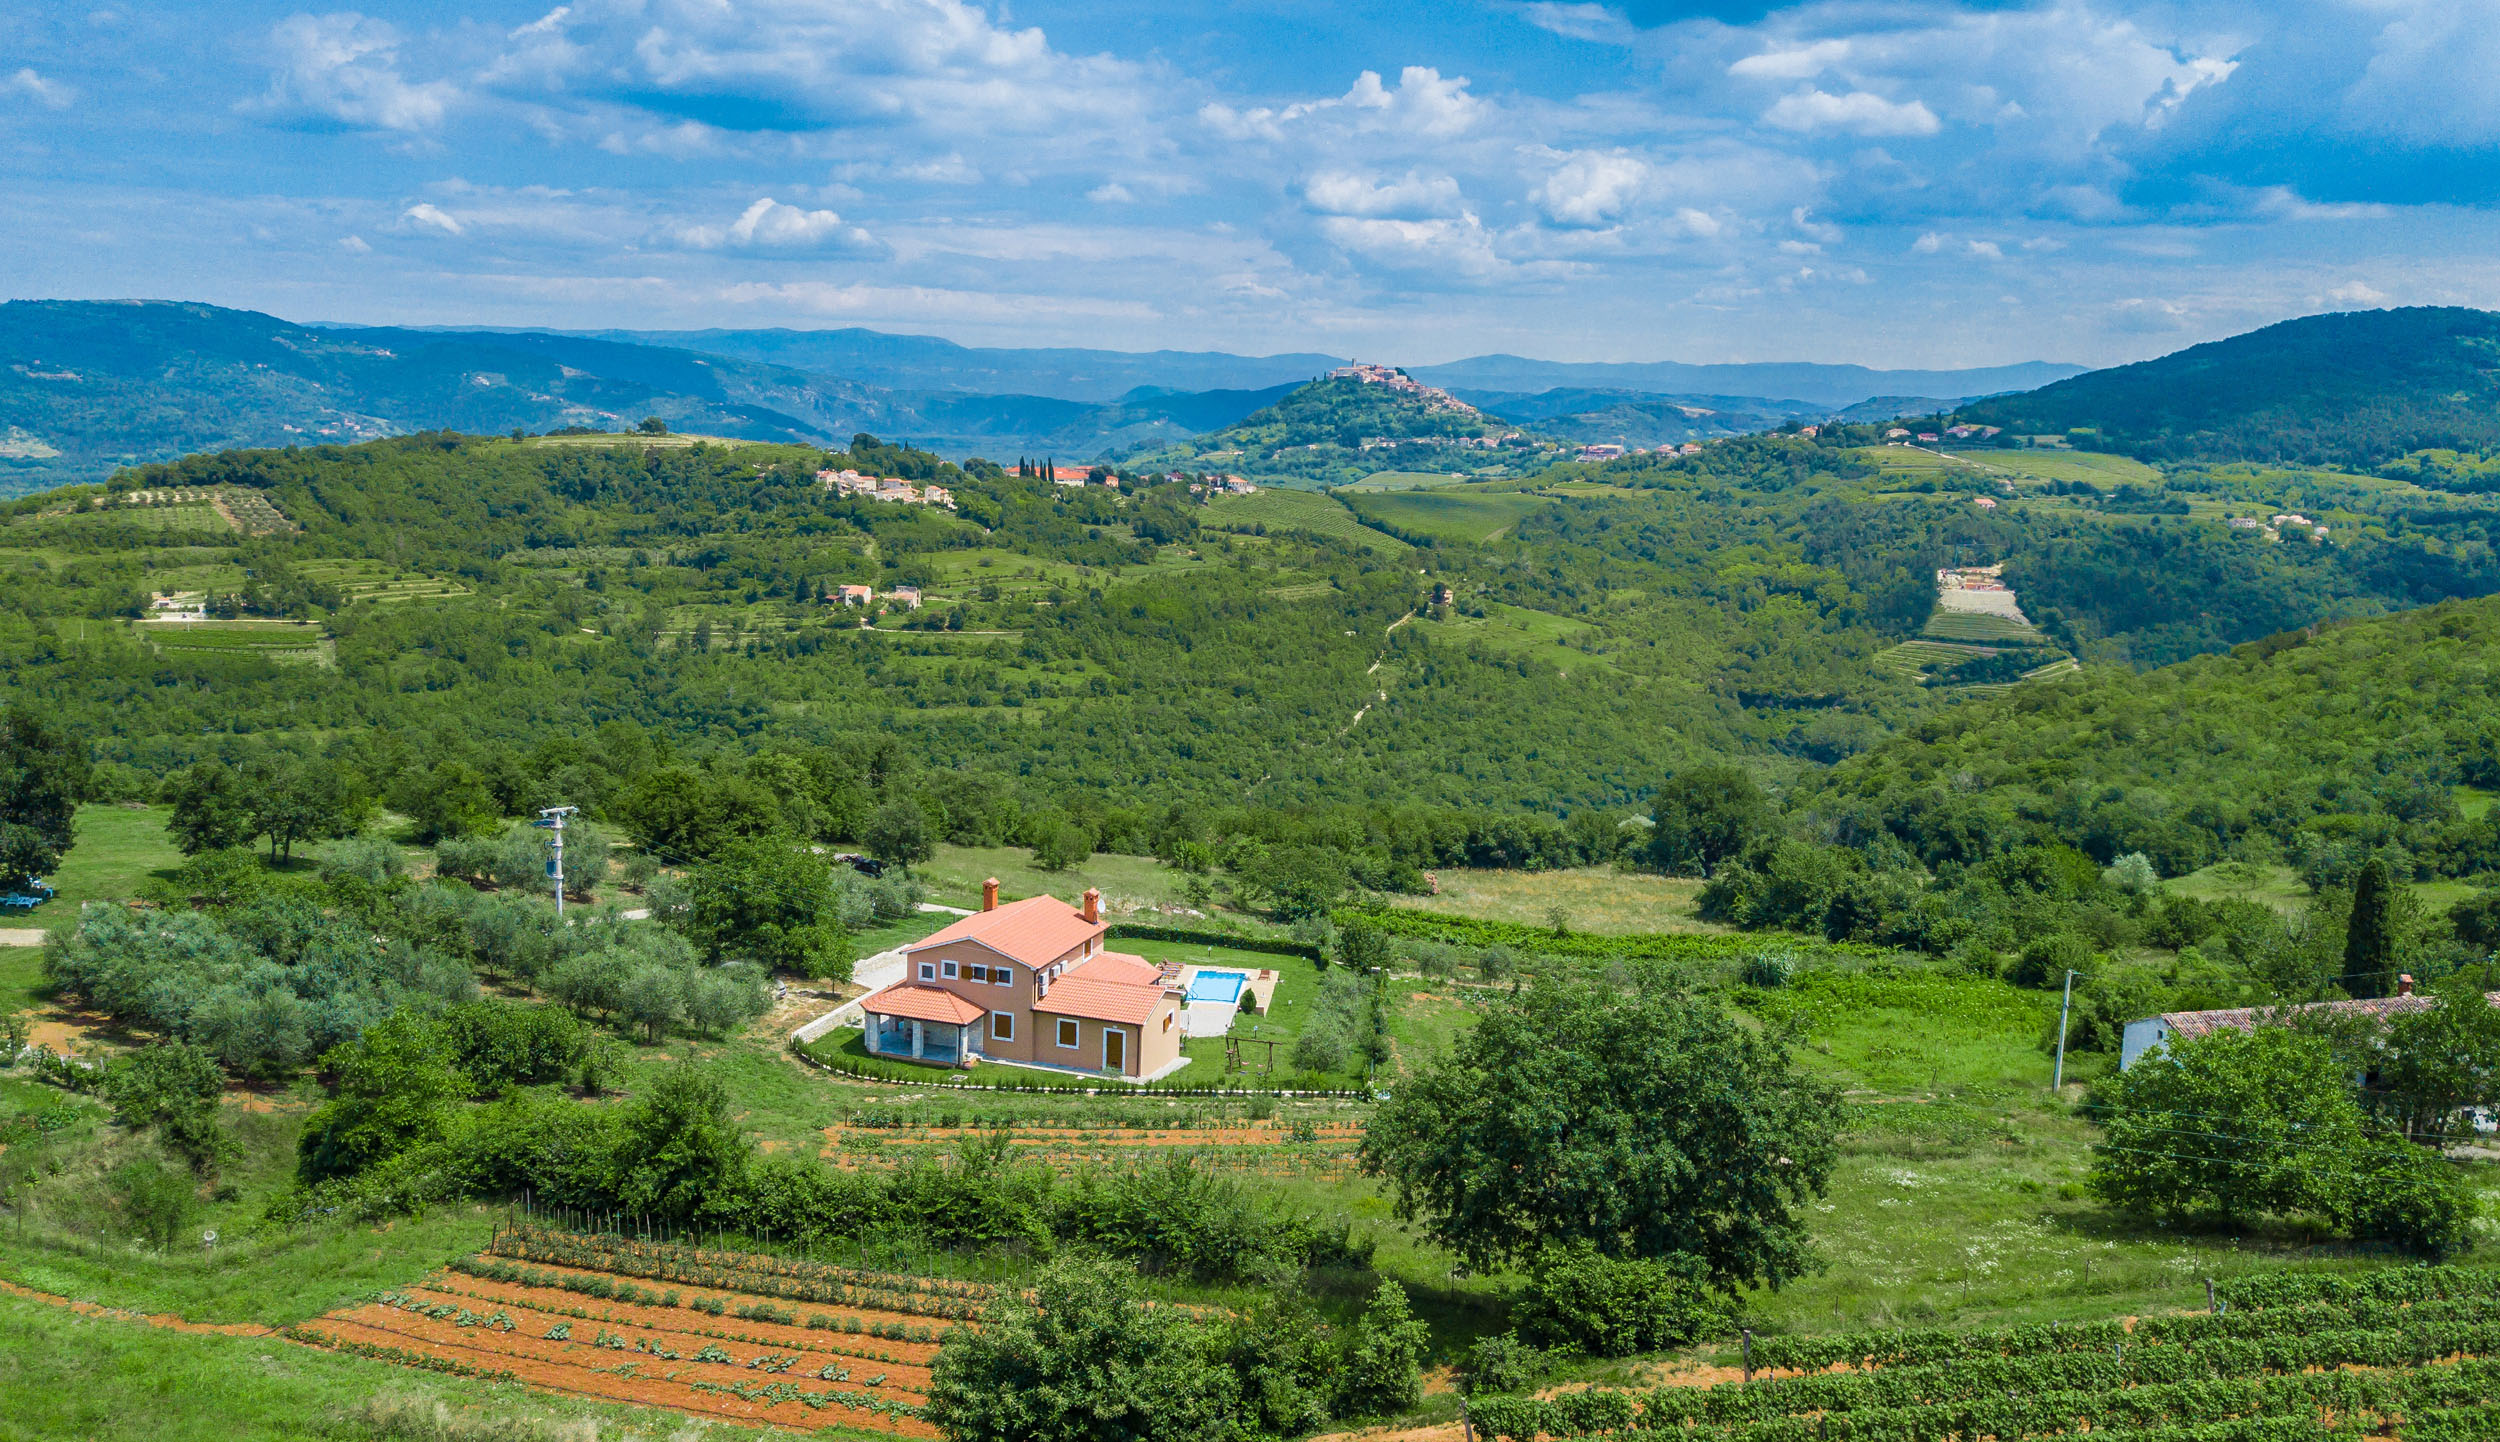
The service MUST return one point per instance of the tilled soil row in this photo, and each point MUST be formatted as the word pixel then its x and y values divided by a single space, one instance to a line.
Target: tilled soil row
pixel 678 1333
pixel 690 1292
pixel 1107 1136
pixel 577 1367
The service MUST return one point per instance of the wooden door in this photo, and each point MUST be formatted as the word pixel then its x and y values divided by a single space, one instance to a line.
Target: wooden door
pixel 1114 1049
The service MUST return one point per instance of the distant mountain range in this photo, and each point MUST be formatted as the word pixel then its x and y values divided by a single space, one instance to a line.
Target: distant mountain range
pixel 2357 388
pixel 89 386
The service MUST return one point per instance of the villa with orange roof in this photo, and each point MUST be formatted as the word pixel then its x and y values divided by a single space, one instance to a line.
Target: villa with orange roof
pixel 1029 984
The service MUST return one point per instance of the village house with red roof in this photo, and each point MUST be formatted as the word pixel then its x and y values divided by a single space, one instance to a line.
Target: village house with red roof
pixel 1029 984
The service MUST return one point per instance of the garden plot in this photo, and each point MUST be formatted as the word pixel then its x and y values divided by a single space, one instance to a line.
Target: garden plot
pixel 742 1337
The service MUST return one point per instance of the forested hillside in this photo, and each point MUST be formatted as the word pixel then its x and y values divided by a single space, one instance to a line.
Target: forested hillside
pixel 2354 389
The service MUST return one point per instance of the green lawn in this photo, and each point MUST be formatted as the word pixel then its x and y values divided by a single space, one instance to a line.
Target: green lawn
pixel 2095 467
pixel 117 849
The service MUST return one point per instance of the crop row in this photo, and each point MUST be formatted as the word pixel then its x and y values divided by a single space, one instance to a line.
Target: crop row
pixel 609 1290
pixel 752 1273
pixel 399 1356
pixel 2304 1397
pixel 711 1354
pixel 818 1321
pixel 2394 1284
pixel 611 1245
pixel 775 1393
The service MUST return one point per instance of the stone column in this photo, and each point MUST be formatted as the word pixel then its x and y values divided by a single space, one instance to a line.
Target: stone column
pixel 915 1040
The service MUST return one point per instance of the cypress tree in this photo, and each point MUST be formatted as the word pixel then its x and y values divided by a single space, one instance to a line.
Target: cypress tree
pixel 2370 937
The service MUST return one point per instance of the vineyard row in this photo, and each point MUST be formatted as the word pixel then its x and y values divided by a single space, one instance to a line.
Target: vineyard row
pixel 2301 1398
pixel 608 1290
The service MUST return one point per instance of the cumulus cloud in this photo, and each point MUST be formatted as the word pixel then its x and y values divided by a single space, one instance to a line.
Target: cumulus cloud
pixel 1339 192
pixel 342 69
pixel 1592 188
pixel 2357 293
pixel 1458 246
pixel 1859 112
pixel 770 225
pixel 50 94
pixel 1423 104
pixel 355 245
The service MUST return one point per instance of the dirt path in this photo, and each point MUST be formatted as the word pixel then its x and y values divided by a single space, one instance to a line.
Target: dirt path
pixel 1378 697
pixel 166 1320
pixel 21 936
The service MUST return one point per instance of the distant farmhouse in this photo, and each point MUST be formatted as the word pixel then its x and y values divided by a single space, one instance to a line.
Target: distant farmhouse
pixel 884 488
pixel 2142 1037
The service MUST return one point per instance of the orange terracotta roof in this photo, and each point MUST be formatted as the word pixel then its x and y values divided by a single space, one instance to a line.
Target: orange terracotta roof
pixel 2194 1024
pixel 1101 1000
pixel 922 1003
pixel 1116 968
pixel 1036 931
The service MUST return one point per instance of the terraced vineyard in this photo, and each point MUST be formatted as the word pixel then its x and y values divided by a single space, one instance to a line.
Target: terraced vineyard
pixel 739 1336
pixel 1308 1149
pixel 374 581
pixel 2411 1354
pixel 270 640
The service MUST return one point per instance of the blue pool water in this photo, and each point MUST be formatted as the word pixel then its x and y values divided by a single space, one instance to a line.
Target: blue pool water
pixel 1217 985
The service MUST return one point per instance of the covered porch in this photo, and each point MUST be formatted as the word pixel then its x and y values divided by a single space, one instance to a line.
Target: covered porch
pixel 926 1024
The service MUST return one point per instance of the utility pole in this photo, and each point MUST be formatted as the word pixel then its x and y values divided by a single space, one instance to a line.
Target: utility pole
pixel 552 818
pixel 2063 1007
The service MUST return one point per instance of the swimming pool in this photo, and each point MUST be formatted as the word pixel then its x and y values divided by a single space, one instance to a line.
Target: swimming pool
pixel 1217 985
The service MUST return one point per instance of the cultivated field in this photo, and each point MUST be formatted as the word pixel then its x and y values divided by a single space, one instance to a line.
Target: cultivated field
pixel 2093 467
pixel 1453 513
pixel 740 1336
pixel 1594 899
pixel 1503 627
pixel 1276 509
pixel 1404 481
pixel 1298 1148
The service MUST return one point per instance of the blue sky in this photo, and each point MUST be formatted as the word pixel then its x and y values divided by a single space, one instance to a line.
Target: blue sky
pixel 1893 182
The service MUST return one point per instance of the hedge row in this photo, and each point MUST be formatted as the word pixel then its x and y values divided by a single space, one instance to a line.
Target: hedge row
pixel 1025 1081
pixel 1270 945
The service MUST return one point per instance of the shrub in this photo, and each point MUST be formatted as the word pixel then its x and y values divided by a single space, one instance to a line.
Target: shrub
pixel 1770 969
pixel 1616 1307
pixel 1383 1370
pixel 1502 1364
pixel 2400 1194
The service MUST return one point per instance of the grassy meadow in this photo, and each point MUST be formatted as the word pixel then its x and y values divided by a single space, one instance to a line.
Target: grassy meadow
pixel 1454 513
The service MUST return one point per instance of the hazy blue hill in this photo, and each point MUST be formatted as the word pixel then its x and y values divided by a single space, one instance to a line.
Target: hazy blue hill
pixel 921 362
pixel 94 385
pixel 2357 388
pixel 1820 385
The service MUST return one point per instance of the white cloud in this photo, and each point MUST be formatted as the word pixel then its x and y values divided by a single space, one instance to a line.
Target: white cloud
pixel 1581 21
pixel 427 216
pixel 355 245
pixel 1799 62
pixel 904 69
pixel 1457 247
pixel 770 225
pixel 1424 105
pixel 1859 112
pixel 50 94
pixel 2357 293
pixel 1592 188
pixel 343 69
pixel 1110 192
pixel 1340 192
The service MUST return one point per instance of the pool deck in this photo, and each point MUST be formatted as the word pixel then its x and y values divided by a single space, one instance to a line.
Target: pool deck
pixel 1215 1018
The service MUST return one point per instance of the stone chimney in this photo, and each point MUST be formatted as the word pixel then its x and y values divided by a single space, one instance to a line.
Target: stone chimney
pixel 989 894
pixel 1093 905
pixel 2404 984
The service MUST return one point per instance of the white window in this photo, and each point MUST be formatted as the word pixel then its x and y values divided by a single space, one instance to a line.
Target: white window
pixel 928 971
pixel 980 972
pixel 950 969
pixel 1002 1026
pixel 1002 976
pixel 1067 1032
